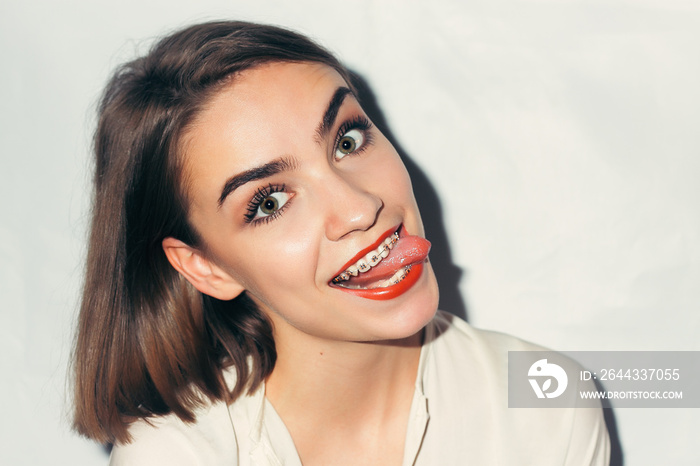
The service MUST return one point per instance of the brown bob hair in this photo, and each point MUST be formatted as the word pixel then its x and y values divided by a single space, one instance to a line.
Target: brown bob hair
pixel 148 343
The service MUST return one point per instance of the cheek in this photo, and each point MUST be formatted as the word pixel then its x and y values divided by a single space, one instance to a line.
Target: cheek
pixel 396 178
pixel 392 169
pixel 401 193
pixel 278 263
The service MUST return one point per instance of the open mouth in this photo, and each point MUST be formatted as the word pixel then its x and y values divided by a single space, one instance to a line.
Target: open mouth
pixel 365 264
pixel 387 268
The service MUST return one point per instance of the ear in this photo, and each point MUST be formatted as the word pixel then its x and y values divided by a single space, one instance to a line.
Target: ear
pixel 202 273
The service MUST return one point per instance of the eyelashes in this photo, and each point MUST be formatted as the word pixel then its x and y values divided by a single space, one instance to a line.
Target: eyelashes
pixel 353 137
pixel 269 202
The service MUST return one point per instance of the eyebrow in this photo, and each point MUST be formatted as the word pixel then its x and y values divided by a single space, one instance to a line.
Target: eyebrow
pixel 285 163
pixel 256 173
pixel 332 111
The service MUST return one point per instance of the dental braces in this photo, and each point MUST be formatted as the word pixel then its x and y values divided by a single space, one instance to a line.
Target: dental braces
pixel 366 263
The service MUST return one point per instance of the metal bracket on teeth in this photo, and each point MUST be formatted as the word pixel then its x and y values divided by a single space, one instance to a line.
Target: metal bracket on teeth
pixel 365 267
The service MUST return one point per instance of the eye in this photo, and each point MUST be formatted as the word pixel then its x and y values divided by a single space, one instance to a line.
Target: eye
pixel 268 203
pixel 353 137
pixel 349 142
pixel 271 204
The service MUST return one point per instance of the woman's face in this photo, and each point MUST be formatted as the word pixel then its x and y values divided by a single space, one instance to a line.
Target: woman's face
pixel 288 183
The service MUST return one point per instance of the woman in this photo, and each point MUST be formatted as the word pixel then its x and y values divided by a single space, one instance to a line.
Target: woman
pixel 258 289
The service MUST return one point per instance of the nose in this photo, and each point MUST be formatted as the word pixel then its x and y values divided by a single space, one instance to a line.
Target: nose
pixel 349 207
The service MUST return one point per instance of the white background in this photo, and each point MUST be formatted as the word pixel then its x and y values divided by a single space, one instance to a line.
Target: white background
pixel 561 139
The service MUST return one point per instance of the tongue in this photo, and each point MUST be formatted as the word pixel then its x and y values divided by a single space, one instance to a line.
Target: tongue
pixel 407 250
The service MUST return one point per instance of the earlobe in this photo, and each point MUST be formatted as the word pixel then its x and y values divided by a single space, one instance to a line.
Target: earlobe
pixel 203 274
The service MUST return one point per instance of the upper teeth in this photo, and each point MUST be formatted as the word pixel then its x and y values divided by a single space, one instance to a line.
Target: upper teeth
pixel 370 260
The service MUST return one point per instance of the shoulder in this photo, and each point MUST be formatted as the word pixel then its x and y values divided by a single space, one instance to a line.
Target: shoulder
pixel 462 354
pixel 466 377
pixel 168 440
pixel 448 333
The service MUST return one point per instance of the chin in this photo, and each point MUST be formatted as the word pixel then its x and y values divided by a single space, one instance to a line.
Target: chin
pixel 415 310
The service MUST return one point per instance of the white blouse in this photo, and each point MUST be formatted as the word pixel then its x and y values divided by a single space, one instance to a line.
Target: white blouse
pixel 459 415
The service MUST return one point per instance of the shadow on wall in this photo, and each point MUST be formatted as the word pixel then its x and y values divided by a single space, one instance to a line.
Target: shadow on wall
pixel 447 273
pixel 616 455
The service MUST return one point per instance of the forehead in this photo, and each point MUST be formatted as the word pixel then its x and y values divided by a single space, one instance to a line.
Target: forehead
pixel 261 114
pixel 265 96
pixel 262 101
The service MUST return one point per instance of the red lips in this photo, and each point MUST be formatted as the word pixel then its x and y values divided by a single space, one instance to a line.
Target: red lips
pixel 390 292
pixel 409 250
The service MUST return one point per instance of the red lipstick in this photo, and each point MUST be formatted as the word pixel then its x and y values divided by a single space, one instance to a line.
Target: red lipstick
pixel 407 255
pixel 390 292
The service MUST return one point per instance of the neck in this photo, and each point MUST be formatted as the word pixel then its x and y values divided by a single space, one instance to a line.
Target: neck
pixel 343 380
